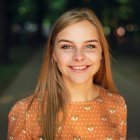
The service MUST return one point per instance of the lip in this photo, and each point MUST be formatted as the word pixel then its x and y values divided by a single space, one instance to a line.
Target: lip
pixel 82 68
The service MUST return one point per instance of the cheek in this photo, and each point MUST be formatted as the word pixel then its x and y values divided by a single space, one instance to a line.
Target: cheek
pixel 65 57
pixel 62 62
pixel 99 55
pixel 62 59
pixel 96 57
pixel 58 56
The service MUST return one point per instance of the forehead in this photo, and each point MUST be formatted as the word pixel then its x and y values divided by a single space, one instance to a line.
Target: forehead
pixel 79 31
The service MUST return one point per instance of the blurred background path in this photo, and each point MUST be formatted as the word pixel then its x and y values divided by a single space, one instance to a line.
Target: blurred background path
pixel 126 74
pixel 22 86
pixel 25 26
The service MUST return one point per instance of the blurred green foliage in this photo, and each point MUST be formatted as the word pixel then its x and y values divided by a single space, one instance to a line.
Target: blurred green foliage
pixel 109 10
pixel 43 13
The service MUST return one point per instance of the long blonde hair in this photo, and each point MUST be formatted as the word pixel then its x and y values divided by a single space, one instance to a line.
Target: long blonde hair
pixel 50 87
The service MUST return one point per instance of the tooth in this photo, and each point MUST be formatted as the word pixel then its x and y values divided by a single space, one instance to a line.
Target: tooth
pixel 79 68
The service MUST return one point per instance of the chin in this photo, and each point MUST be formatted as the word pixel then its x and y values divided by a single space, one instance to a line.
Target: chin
pixel 80 80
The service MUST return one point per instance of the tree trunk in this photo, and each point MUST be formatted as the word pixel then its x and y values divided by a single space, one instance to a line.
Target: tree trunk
pixel 4 32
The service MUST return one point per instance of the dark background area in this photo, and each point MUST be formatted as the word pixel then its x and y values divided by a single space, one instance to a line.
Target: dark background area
pixel 24 28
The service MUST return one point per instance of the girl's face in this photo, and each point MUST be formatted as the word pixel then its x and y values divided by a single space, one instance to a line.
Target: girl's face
pixel 78 52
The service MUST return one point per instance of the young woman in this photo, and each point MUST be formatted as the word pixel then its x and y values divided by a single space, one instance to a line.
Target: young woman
pixel 75 98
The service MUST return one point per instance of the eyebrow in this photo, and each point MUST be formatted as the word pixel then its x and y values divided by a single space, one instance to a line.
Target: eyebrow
pixel 69 41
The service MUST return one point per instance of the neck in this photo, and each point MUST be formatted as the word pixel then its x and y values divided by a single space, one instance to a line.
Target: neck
pixel 82 92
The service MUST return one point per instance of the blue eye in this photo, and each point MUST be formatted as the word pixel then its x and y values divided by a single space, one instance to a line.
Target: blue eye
pixel 90 46
pixel 66 47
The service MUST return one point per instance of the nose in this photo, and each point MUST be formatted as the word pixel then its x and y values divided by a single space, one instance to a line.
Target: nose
pixel 78 55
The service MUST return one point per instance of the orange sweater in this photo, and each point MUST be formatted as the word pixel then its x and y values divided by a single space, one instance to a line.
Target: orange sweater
pixel 101 119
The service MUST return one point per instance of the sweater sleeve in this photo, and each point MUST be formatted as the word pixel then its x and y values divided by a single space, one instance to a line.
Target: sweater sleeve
pixel 17 129
pixel 122 123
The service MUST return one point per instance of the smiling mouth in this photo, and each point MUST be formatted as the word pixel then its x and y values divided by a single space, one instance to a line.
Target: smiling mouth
pixel 79 68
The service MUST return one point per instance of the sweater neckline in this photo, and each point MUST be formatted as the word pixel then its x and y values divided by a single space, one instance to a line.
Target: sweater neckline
pixel 87 102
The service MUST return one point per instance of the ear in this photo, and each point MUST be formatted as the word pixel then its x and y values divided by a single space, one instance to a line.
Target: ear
pixel 54 57
pixel 101 57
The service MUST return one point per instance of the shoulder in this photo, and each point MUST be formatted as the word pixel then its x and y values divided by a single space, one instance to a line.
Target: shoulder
pixel 115 100
pixel 116 108
pixel 22 117
pixel 21 106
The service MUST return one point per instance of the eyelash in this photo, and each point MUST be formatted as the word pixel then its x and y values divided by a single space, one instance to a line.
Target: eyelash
pixel 92 46
pixel 71 47
pixel 66 47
